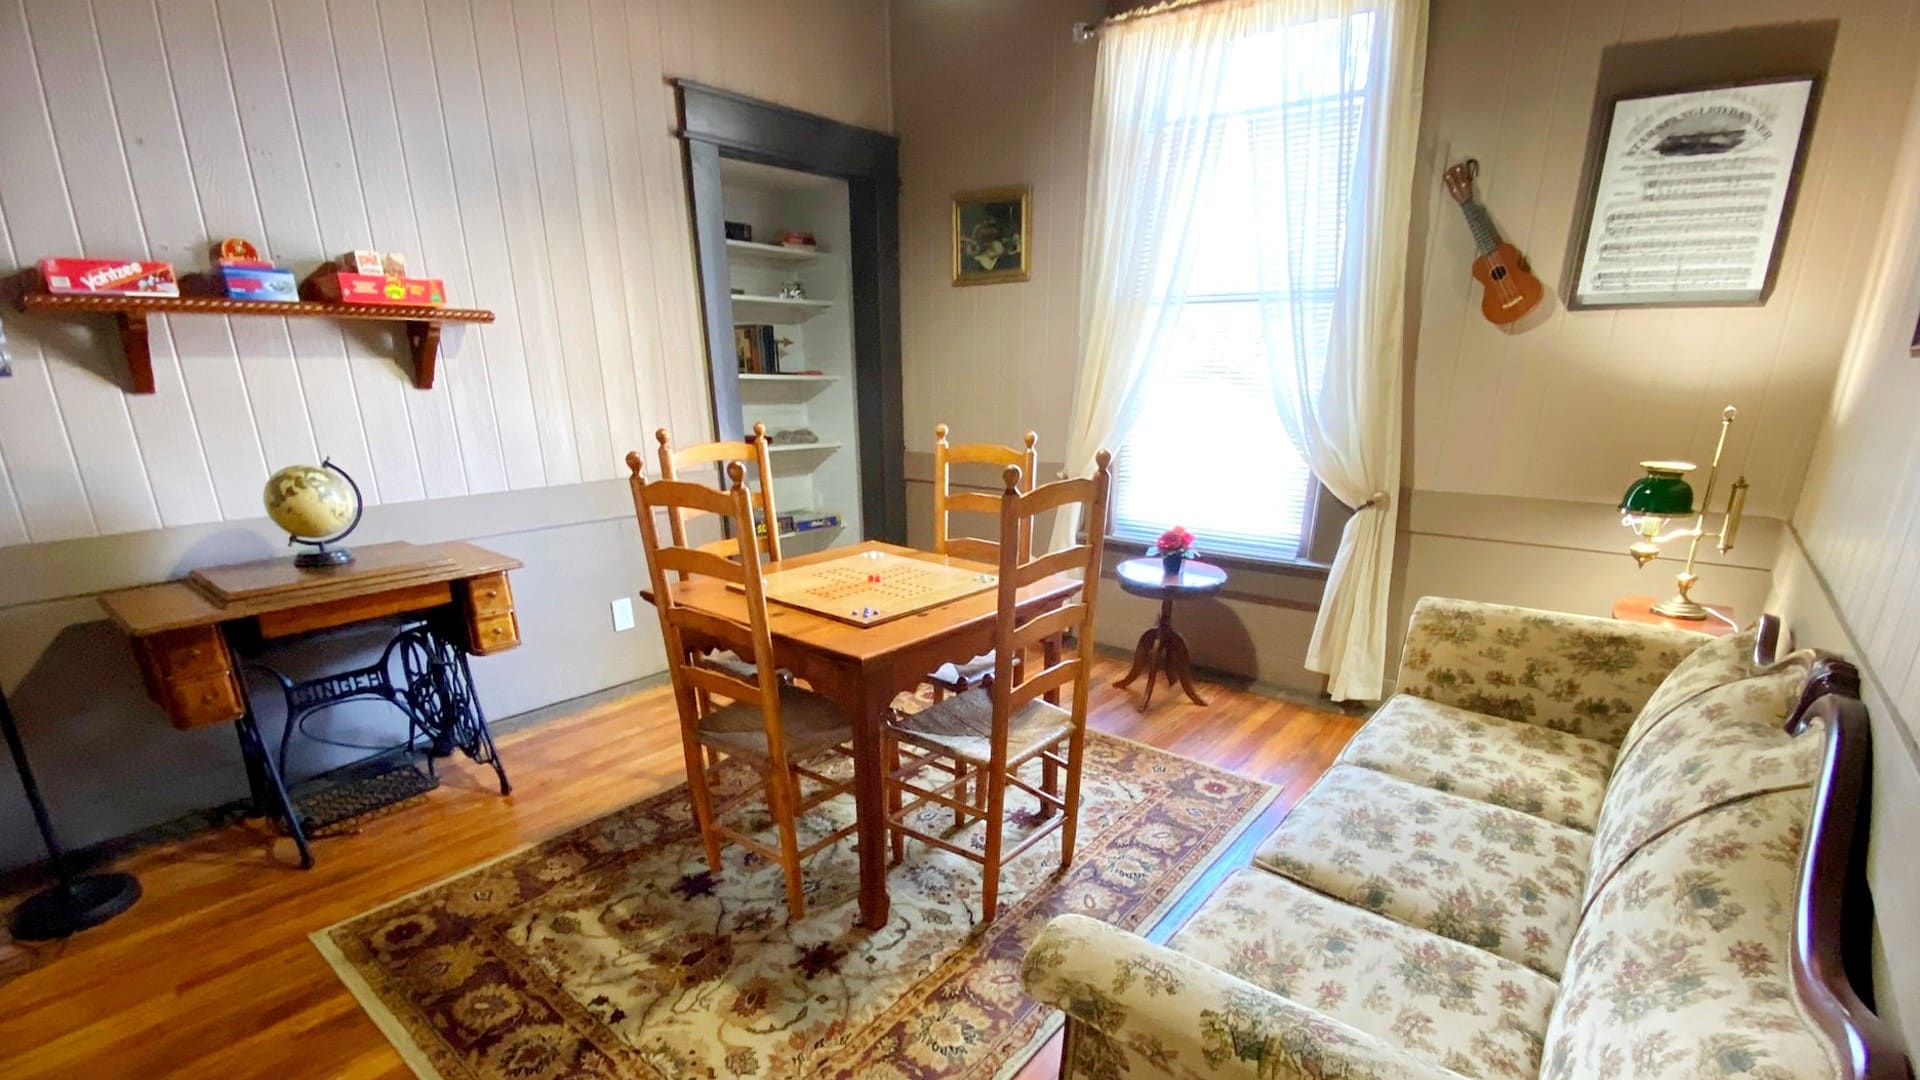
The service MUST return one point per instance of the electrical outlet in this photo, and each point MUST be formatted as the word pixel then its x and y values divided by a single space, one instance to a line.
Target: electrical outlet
pixel 623 614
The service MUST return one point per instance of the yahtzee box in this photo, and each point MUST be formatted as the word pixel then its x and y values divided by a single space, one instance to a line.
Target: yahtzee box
pixel 109 277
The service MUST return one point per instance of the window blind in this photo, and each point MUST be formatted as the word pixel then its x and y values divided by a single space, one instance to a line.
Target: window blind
pixel 1207 449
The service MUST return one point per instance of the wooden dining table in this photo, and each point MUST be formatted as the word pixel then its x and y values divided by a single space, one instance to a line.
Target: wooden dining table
pixel 862 669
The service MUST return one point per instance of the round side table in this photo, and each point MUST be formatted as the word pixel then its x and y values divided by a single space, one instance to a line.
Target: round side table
pixel 1161 648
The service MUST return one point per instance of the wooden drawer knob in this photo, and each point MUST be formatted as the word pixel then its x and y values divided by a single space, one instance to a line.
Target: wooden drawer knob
pixel 496 631
pixel 208 697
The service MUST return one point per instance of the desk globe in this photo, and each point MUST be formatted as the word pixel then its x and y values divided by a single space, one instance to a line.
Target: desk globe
pixel 317 505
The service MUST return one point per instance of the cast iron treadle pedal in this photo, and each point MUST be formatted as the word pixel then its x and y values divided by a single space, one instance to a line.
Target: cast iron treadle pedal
pixel 356 792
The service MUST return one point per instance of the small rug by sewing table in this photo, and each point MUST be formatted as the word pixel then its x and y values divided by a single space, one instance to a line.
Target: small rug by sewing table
pixel 611 951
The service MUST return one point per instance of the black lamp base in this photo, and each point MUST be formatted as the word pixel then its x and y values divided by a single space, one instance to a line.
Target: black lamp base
pixel 65 910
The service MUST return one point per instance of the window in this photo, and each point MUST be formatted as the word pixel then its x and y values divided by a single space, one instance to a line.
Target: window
pixel 1207 449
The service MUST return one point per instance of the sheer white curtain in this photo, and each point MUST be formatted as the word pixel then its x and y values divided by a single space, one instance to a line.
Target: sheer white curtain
pixel 1303 114
pixel 1346 123
pixel 1150 152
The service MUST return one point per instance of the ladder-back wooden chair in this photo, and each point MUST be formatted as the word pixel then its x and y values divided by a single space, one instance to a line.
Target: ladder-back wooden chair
pixel 752 453
pixel 999 727
pixel 955 678
pixel 769 724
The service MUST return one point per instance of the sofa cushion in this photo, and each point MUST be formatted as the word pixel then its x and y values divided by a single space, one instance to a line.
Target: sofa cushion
pixel 1718 662
pixel 1142 1010
pixel 1493 878
pixel 1535 770
pixel 1577 673
pixel 1680 970
pixel 1454 1005
pixel 1720 745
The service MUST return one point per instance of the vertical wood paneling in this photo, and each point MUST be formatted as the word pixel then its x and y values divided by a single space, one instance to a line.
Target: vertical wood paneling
pixel 44 476
pixel 632 231
pixel 326 152
pixel 436 210
pixel 13 528
pixel 94 174
pixel 679 402
pixel 593 183
pixel 149 130
pixel 290 224
pixel 524 153
pixel 523 223
pixel 565 241
pixel 1586 394
pixel 259 352
pixel 463 102
pixel 1859 516
pixel 385 189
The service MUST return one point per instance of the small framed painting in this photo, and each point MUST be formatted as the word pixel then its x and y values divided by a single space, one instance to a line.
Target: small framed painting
pixel 992 236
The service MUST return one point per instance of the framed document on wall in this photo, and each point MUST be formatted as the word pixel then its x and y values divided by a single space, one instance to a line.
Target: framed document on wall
pixel 1692 195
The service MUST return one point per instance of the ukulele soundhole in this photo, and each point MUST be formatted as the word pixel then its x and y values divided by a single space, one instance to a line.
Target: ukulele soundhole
pixel 1499 273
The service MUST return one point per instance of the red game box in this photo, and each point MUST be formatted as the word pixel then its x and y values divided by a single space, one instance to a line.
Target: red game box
pixel 344 288
pixel 109 277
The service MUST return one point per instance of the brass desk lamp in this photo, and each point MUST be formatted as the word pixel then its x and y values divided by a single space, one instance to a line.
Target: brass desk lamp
pixel 1664 494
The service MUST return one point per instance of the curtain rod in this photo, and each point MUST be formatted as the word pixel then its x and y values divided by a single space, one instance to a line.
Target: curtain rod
pixel 1084 32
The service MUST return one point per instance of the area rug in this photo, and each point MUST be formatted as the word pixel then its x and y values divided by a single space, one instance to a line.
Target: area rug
pixel 611 951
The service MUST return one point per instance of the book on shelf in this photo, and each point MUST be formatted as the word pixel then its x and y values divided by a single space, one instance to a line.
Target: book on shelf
pixel 757 347
pixel 798 521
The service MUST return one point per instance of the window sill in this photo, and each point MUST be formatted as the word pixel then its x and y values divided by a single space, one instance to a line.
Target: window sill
pixel 1118 545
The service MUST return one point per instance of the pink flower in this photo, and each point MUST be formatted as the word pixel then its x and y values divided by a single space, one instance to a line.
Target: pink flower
pixel 1174 541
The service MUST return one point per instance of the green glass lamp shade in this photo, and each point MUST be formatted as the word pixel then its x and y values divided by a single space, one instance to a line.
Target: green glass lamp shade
pixel 1663 492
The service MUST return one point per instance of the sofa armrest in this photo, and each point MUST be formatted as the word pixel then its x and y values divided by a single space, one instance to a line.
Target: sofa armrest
pixel 1140 1009
pixel 1576 673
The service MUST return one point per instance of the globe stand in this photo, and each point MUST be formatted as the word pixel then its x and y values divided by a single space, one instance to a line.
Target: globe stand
pixel 323 557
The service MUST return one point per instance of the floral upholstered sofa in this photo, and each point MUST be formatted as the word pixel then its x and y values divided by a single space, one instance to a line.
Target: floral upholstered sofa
pixel 1569 847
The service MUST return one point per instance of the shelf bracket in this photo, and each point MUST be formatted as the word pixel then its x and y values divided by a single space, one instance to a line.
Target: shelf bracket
pixel 424 338
pixel 133 342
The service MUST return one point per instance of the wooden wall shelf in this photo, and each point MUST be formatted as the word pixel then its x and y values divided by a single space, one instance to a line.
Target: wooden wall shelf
pixel 130 313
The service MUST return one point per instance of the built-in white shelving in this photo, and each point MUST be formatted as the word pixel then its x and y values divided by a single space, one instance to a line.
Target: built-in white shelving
pixel 749 249
pixel 803 448
pixel 748 310
pixel 755 389
pixel 811 334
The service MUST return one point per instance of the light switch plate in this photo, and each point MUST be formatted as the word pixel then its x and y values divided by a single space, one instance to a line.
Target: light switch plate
pixel 623 614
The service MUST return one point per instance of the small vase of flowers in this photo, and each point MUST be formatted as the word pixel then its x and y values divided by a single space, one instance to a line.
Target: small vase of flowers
pixel 1174 547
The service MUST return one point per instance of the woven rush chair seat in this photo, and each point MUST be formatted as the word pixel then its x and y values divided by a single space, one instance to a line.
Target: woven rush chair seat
pixel 962 727
pixel 809 723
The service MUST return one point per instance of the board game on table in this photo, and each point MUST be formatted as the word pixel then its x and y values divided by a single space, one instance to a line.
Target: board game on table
pixel 868 588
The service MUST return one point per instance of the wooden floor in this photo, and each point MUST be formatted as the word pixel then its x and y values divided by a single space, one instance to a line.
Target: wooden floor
pixel 211 974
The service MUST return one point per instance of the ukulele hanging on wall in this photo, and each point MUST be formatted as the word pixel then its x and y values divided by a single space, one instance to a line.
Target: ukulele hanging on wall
pixel 1509 290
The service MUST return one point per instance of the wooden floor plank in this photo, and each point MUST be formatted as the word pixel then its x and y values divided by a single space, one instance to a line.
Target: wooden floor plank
pixel 211 973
